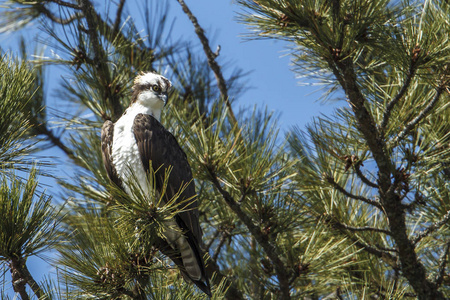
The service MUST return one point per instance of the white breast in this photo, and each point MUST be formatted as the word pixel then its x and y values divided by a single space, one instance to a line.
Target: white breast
pixel 125 155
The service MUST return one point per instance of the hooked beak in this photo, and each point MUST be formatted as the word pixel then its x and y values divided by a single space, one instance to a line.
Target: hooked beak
pixel 164 97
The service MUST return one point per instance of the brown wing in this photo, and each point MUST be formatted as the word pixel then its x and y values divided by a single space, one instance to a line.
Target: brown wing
pixel 107 142
pixel 159 146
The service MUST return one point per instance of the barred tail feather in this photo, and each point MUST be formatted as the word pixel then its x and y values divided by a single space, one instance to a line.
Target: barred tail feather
pixel 190 263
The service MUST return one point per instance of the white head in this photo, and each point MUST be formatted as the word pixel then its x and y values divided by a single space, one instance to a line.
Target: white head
pixel 150 90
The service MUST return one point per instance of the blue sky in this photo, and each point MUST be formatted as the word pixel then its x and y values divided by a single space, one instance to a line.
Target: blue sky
pixel 271 81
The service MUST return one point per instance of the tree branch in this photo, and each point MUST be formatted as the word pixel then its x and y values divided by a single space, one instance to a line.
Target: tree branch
pixel 211 59
pixel 420 116
pixel 212 240
pixel 412 268
pixel 380 252
pixel 56 141
pixel 51 16
pixel 233 292
pixel 443 263
pixel 386 256
pixel 398 97
pixel 99 55
pixel 223 239
pixel 118 17
pixel 19 284
pixel 359 229
pixel 432 228
pixel 280 269
pixel 21 276
pixel 344 73
pixel 363 178
pixel 65 4
pixel 350 195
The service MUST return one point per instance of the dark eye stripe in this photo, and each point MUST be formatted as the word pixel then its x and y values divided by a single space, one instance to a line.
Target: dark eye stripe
pixel 149 86
pixel 142 87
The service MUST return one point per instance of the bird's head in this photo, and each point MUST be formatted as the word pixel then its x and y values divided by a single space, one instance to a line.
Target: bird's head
pixel 150 90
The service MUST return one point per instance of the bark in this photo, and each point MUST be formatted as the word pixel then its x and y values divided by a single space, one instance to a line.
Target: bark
pixel 21 276
pixel 412 268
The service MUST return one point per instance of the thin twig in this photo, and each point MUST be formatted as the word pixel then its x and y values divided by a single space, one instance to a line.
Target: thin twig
pixel 386 249
pixel 92 19
pixel 365 228
pixel 118 17
pixel 211 59
pixel 56 141
pixel 233 292
pixel 350 195
pixel 362 177
pixel 432 228
pixel 66 4
pixel 282 272
pixel 223 239
pixel 398 97
pixel 383 254
pixel 51 16
pixel 212 240
pixel 375 250
pixel 420 116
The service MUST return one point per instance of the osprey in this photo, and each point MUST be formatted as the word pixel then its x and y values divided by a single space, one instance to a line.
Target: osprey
pixel 128 147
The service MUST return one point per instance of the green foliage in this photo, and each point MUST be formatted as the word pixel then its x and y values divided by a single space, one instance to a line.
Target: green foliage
pixel 17 86
pixel 27 226
pixel 354 206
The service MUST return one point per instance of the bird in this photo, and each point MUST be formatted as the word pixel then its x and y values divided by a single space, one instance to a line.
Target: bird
pixel 136 143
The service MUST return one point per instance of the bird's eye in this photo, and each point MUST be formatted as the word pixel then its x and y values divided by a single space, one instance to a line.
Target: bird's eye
pixel 156 88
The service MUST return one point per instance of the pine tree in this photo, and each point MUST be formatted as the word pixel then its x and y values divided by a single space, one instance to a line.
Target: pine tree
pixel 355 206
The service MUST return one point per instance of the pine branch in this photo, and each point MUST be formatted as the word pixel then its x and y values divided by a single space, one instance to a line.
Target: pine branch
pixel 212 240
pixel 420 116
pixel 19 284
pixel 345 74
pixel 412 268
pixel 281 270
pixel 21 276
pixel 363 178
pixel 51 16
pixel 65 4
pixel 56 141
pixel 385 255
pixel 350 195
pixel 118 17
pixel 432 228
pixel 211 59
pixel 223 239
pixel 92 19
pixel 375 250
pixel 443 263
pixel 359 229
pixel 233 292
pixel 398 97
